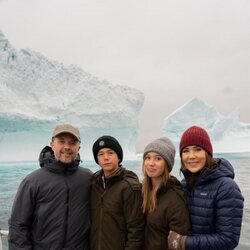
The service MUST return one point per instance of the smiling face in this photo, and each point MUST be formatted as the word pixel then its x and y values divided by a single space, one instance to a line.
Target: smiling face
pixel 108 160
pixel 65 147
pixel 193 158
pixel 154 165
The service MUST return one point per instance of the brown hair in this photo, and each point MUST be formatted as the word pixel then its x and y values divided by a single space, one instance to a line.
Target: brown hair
pixel 192 177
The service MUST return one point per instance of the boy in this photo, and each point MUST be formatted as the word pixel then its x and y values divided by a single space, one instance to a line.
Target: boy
pixel 117 221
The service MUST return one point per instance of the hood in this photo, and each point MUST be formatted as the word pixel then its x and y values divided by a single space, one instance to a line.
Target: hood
pixel 174 184
pixel 224 169
pixel 130 174
pixel 47 160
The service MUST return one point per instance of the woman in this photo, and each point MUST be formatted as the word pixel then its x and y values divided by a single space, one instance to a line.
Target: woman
pixel 163 200
pixel 214 199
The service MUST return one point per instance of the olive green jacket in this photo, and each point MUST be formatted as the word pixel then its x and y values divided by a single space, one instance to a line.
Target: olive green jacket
pixel 117 221
pixel 171 214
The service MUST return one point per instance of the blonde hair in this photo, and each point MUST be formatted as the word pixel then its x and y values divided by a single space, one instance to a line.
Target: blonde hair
pixel 149 192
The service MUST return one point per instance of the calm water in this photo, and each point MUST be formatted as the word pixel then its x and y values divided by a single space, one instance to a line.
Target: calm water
pixel 12 173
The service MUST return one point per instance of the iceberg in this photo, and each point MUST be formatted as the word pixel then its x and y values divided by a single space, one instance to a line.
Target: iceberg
pixel 227 133
pixel 36 94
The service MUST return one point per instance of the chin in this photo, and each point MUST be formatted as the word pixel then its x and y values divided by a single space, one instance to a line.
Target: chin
pixel 66 160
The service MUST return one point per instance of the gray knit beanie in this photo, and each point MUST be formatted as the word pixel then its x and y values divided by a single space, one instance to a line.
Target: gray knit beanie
pixel 164 147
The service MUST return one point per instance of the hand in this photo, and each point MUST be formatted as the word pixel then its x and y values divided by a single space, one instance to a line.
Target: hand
pixel 176 241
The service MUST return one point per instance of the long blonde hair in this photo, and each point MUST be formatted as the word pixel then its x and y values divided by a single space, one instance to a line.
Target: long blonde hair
pixel 149 192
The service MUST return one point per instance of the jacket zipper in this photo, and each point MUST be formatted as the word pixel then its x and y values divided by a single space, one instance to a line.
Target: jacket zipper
pixel 66 213
pixel 100 228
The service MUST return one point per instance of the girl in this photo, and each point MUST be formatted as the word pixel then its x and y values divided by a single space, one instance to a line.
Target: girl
pixel 163 200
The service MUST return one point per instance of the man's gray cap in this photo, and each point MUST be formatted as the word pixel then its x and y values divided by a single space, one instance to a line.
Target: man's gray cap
pixel 67 128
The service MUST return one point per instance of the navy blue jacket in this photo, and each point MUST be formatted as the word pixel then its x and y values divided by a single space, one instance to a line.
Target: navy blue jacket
pixel 216 207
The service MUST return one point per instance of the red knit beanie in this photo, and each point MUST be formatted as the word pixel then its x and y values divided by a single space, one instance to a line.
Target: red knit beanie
pixel 196 136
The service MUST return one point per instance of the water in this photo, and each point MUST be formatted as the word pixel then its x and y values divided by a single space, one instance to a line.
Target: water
pixel 11 174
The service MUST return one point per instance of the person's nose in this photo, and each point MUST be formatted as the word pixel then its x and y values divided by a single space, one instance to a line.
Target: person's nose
pixel 151 162
pixel 67 145
pixel 191 154
pixel 106 156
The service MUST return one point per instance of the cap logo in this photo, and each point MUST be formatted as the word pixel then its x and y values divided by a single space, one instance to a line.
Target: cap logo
pixel 101 143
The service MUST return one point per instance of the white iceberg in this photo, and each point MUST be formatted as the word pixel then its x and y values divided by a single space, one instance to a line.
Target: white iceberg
pixel 227 133
pixel 36 94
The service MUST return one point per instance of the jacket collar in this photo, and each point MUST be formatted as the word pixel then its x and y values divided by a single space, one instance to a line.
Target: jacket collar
pixel 47 160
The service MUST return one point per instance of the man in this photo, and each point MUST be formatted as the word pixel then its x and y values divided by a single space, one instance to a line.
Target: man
pixel 51 207
pixel 117 221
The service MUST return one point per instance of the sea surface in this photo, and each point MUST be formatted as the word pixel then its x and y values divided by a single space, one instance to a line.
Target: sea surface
pixel 11 174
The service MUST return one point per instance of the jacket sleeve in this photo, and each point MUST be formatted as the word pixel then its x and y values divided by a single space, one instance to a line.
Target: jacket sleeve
pixel 134 217
pixel 228 210
pixel 177 214
pixel 21 218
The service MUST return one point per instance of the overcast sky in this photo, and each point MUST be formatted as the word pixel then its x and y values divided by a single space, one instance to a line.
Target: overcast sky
pixel 172 51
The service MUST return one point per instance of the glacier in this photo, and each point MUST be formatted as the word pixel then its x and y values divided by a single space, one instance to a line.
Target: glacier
pixel 36 94
pixel 227 133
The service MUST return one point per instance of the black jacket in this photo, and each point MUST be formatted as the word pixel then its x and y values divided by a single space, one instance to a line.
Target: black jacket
pixel 51 207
